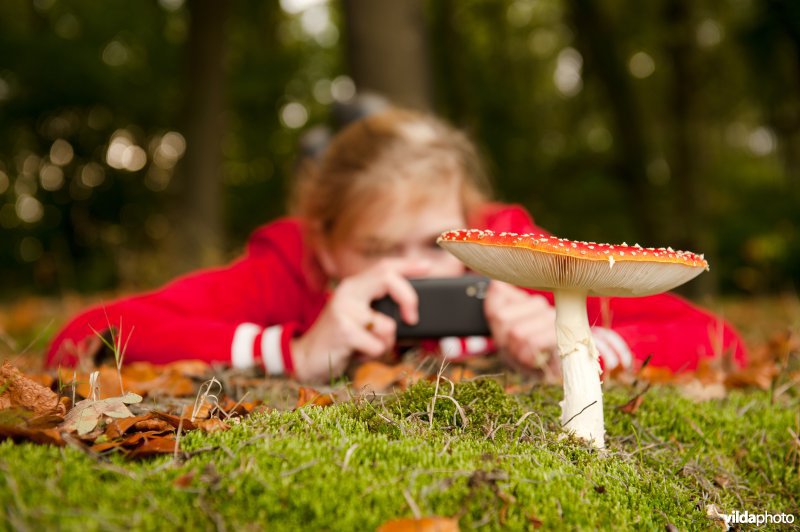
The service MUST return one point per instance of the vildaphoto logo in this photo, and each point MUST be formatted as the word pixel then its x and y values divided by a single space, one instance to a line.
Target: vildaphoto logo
pixel 741 518
pixel 746 517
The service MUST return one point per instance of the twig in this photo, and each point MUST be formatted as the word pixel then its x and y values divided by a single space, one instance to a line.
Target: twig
pixel 579 413
pixel 291 472
pixel 348 455
pixel 412 504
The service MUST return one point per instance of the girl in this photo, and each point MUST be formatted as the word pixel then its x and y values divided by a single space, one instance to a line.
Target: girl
pixel 365 219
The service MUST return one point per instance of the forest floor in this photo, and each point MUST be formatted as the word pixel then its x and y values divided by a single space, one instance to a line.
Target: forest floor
pixel 401 446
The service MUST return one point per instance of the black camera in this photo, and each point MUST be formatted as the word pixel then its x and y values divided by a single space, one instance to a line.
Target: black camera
pixel 448 306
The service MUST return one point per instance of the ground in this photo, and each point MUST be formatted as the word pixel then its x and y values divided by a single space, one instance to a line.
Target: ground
pixel 486 453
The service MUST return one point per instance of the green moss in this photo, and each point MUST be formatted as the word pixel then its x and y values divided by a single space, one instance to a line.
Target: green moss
pixel 355 465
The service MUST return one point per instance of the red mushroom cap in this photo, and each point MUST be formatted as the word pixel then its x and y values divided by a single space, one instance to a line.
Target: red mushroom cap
pixel 549 262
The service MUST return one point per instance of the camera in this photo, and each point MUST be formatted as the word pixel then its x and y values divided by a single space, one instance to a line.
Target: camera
pixel 448 306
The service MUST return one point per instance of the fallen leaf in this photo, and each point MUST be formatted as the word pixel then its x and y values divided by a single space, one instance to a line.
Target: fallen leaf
pixel 184 481
pixel 423 524
pixel 699 392
pixel 18 390
pixel 86 414
pixel 310 396
pixel 35 435
pixel 196 369
pixel 157 425
pixel 656 374
pixel 379 377
pixel 183 422
pixel 213 424
pixel 535 521
pixel 461 373
pixel 118 427
pixel 159 445
pixel 757 375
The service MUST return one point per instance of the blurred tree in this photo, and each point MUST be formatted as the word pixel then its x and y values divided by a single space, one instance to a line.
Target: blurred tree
pixel 197 236
pixel 604 60
pixel 608 119
pixel 387 49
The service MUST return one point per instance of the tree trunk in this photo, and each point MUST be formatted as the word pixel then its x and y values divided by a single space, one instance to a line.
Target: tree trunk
pixel 387 50
pixel 197 230
pixel 594 38
pixel 687 227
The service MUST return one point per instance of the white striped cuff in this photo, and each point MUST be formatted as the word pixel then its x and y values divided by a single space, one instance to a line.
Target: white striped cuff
pixel 244 350
pixel 271 350
pixel 242 356
pixel 455 347
pixel 612 348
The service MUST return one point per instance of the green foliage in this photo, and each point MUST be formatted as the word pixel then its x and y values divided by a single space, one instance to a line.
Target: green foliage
pixel 334 468
pixel 90 70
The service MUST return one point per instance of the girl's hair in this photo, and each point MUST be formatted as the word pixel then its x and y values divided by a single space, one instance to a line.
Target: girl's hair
pixel 370 157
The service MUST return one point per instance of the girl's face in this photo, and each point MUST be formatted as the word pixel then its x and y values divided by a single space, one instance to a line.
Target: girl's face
pixel 404 226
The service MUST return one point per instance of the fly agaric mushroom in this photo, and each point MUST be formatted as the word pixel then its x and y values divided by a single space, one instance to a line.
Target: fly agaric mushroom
pixel 573 271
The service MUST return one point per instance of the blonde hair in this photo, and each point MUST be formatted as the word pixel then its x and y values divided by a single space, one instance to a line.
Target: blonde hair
pixel 371 156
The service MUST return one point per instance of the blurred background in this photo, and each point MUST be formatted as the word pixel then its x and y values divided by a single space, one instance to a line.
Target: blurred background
pixel 140 139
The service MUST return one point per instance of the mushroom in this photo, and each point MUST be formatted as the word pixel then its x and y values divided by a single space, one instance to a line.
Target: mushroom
pixel 573 271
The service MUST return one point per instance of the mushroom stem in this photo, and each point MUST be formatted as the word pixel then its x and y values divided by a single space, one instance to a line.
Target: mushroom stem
pixel 582 407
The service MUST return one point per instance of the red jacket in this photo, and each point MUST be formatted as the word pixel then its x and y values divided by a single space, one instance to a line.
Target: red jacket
pixel 246 313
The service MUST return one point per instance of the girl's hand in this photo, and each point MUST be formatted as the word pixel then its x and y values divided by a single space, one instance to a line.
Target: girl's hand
pixel 523 325
pixel 348 324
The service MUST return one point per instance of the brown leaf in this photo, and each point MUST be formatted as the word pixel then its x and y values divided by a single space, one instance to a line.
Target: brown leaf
pixel 698 392
pixel 45 379
pixel 157 445
pixel 633 405
pixel 18 390
pixel 196 369
pixel 240 408
pixel 184 423
pixel 39 435
pixel 204 412
pixel 379 377
pixel 107 382
pixel 310 396
pixel 184 481
pixel 148 425
pixel 424 524
pixel 461 373
pixel 213 424
pixel 142 378
pixel 118 427
pixel 147 379
pixel 656 374
pixel 757 375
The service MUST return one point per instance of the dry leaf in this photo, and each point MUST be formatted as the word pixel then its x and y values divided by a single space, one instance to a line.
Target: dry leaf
pixel 184 481
pixel 424 524
pixel 18 390
pixel 699 392
pixel 213 424
pixel 86 414
pixel 656 374
pixel 35 435
pixel 118 427
pixel 633 405
pixel 378 376
pixel 158 445
pixel 183 422
pixel 310 396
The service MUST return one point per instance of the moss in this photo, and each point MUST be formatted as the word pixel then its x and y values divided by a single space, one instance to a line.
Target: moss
pixel 355 465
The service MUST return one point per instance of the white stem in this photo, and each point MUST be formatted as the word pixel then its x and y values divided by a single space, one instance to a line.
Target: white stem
pixel 582 407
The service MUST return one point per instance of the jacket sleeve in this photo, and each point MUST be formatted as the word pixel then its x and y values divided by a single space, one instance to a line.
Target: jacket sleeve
pixel 243 315
pixel 669 330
